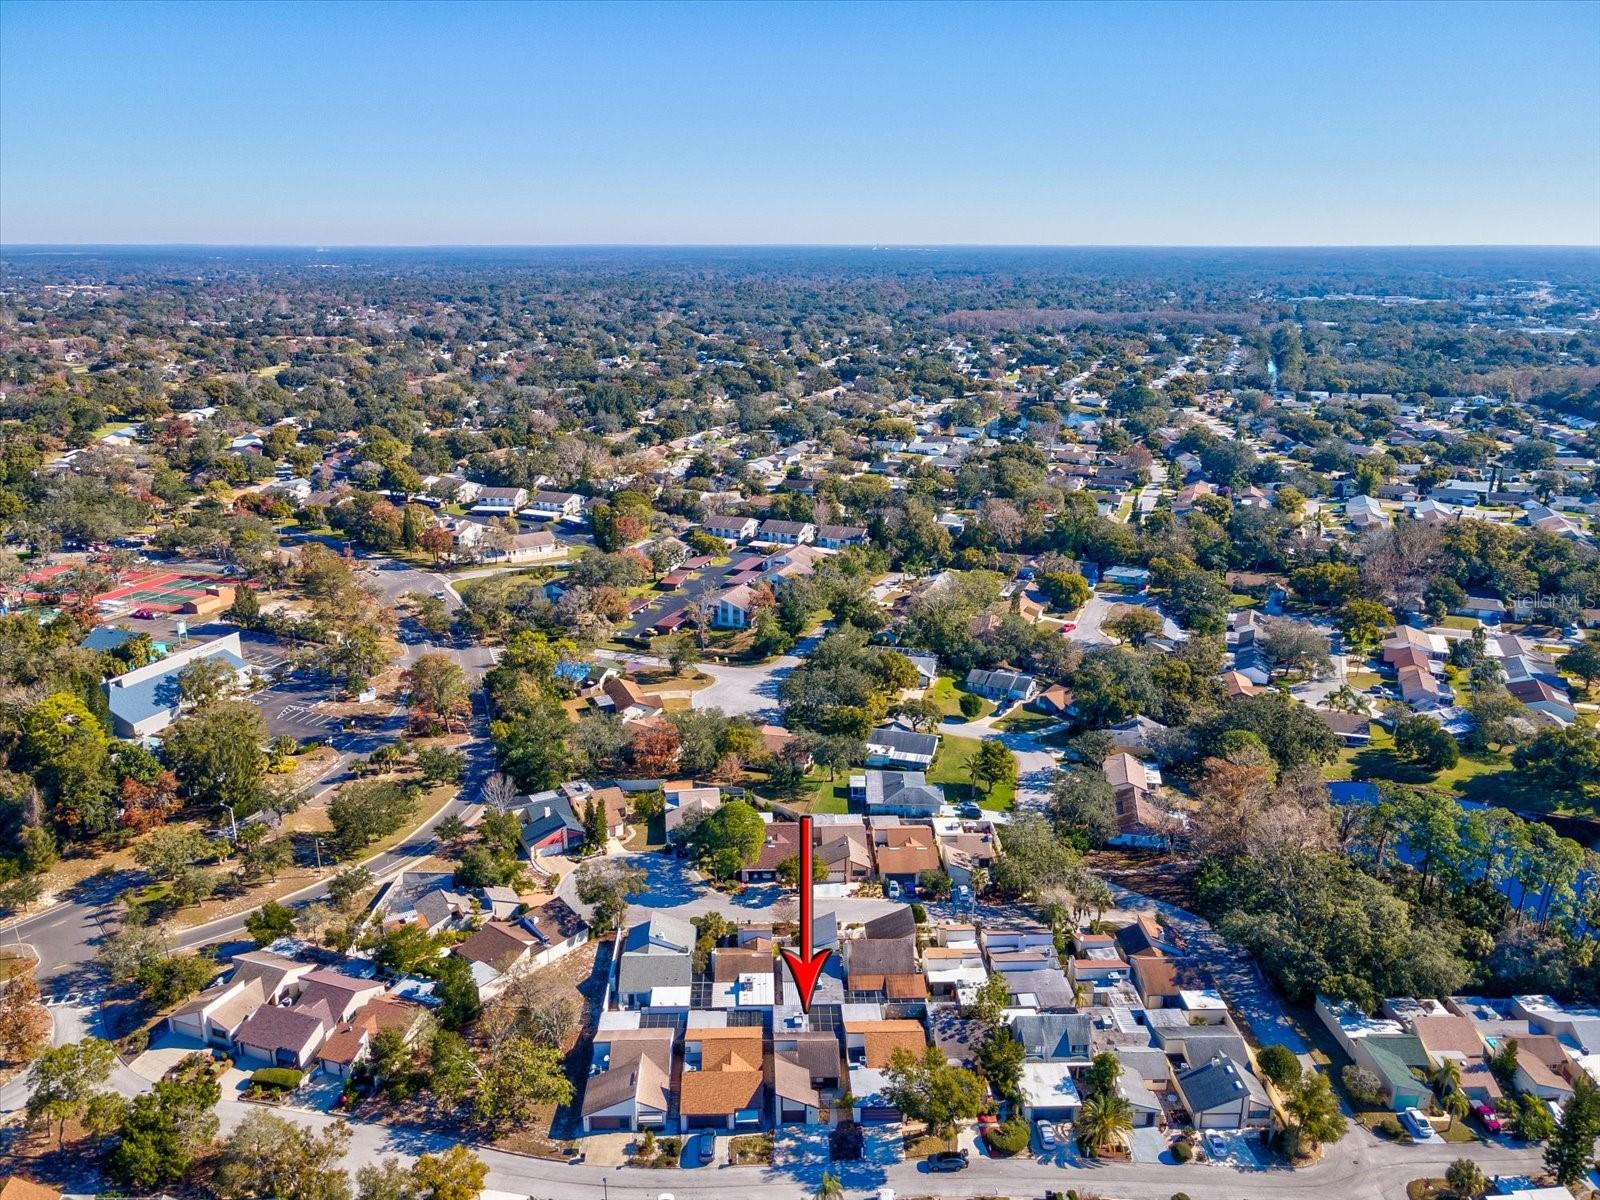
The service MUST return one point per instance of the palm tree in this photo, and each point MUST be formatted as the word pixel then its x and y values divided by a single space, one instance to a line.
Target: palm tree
pixel 830 1188
pixel 1103 1120
pixel 1457 1105
pixel 1448 1077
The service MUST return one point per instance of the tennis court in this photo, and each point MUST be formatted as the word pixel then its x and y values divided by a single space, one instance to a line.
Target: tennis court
pixel 158 590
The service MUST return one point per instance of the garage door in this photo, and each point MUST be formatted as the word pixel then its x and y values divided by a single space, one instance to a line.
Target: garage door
pixel 711 1122
pixel 607 1124
pixel 879 1114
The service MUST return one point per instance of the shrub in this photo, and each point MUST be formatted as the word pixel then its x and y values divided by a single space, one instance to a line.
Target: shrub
pixel 918 913
pixel 1389 1128
pixel 845 1142
pixel 1009 1138
pixel 970 705
pixel 279 1078
pixel 1180 1196
pixel 1183 1152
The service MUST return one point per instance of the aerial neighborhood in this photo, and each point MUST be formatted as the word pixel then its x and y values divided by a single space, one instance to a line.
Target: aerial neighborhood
pixel 440 707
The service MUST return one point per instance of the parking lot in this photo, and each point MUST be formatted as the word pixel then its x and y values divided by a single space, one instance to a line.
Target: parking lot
pixel 291 707
pixel 707 581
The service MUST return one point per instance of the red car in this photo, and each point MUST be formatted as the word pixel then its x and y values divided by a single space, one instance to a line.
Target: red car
pixel 143 614
pixel 1487 1117
pixel 1068 627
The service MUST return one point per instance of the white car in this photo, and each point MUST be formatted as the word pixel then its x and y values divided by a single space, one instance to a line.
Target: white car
pixel 1417 1125
pixel 1047 1135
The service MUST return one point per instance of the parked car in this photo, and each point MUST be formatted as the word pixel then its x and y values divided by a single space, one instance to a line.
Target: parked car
pixel 1216 1147
pixel 970 811
pixel 143 614
pixel 1067 627
pixel 1417 1125
pixel 703 1149
pixel 949 1160
pixel 1047 1135
pixel 892 889
pixel 1487 1117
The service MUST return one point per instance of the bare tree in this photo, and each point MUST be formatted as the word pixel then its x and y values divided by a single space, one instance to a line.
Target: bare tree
pixel 499 793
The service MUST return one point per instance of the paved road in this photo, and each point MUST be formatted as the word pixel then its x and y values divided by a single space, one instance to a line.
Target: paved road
pixel 1359 1168
pixel 752 691
pixel 672 884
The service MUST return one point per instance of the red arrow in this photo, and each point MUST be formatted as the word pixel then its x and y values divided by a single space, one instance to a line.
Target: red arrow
pixel 805 967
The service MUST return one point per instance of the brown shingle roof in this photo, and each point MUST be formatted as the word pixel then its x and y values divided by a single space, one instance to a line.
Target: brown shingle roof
pixel 883 1038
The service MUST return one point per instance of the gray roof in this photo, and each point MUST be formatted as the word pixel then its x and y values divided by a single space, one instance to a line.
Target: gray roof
pixel 1216 1082
pixel 896 923
pixel 660 933
pixel 1049 986
pixel 903 742
pixel 998 681
pixel 544 814
pixel 902 789
pixel 1050 1037
pixel 140 701
pixel 107 637
pixel 643 972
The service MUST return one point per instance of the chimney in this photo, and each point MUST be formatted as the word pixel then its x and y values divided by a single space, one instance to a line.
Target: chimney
pixel 547 810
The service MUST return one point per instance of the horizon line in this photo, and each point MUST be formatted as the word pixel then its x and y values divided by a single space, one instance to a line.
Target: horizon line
pixel 323 247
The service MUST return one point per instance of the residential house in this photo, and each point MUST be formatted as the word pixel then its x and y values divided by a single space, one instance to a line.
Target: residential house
pixel 845 851
pixel 538 546
pixel 259 978
pixel 1550 702
pixel 786 533
pixel 904 852
pixel 966 851
pixel 500 501
pixel 735 607
pixel 1053 701
pixel 1384 1047
pixel 1013 686
pixel 723 1084
pixel 630 1082
pixel 1048 1092
pixel 1352 729
pixel 1141 820
pixel 903 793
pixel 884 968
pixel 686 801
pixel 350 1043
pixel 283 1037
pixel 901 749
pixel 869 1048
pixel 549 824
pixel 559 506
pixel 1363 512
pixel 837 537
pixel 657 953
pixel 1054 1037
pixel 1544 1068
pixel 782 841
pixel 625 699
pixel 1221 1093
pixel 731 529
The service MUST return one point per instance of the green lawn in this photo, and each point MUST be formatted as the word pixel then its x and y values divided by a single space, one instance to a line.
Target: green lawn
pixel 951 771
pixel 1378 761
pixel 947 696
pixel 1020 721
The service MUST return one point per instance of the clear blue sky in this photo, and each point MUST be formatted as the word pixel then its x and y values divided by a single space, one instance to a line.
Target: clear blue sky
pixel 372 123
